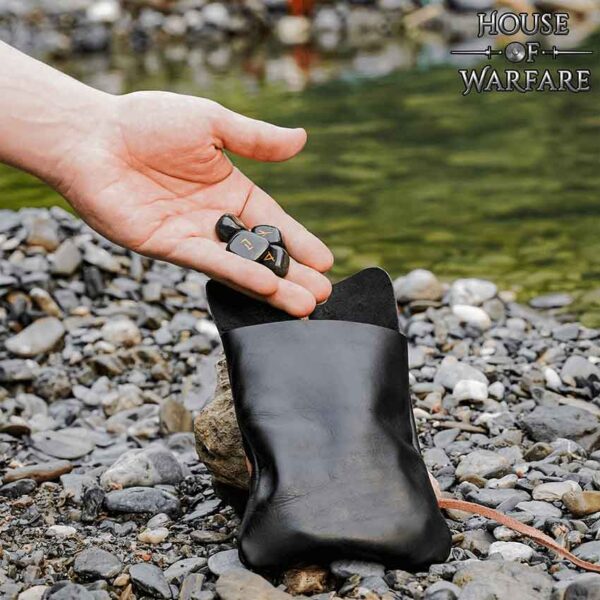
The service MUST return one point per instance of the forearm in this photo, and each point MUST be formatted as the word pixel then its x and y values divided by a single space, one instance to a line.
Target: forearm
pixel 44 115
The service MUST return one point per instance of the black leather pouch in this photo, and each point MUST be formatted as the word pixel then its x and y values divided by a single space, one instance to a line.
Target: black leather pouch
pixel 324 410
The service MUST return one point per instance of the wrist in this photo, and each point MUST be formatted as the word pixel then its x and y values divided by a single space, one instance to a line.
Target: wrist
pixel 74 131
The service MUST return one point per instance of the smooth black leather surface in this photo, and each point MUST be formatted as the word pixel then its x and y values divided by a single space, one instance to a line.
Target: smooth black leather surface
pixel 325 413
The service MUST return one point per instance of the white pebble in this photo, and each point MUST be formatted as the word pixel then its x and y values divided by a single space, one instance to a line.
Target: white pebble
pixel 468 389
pixel 504 483
pixel 554 490
pixel 154 536
pixel 472 315
pixel 511 550
pixel 496 390
pixel 61 531
pixel 553 380
pixel 504 534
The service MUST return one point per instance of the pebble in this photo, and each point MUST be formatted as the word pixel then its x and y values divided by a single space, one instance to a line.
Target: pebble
pixel 121 332
pixel 243 585
pixel 101 258
pixel 33 593
pixel 483 464
pixel 511 551
pixel 578 367
pixel 451 371
pixel 552 379
pixel 66 259
pixel 442 590
pixel 584 587
pixel 472 315
pixel 347 568
pixel 18 488
pixel 149 579
pixel 68 443
pixel 179 570
pixel 419 284
pixel 501 579
pixel 470 390
pixel 589 551
pixel 65 590
pixel 540 509
pixel 553 491
pixel 549 422
pixel 95 563
pixel 471 291
pixel 225 561
pixel 497 390
pixel 142 500
pixel 40 472
pixel 582 503
pixel 147 467
pixel 154 536
pixel 61 531
pixel 42 231
pixel 548 301
pixel 39 337
pixel 191 588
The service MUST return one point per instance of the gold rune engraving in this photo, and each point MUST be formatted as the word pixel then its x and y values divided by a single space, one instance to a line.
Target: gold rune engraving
pixel 270 257
pixel 246 242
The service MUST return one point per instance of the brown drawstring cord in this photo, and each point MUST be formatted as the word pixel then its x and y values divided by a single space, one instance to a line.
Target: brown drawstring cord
pixel 531 532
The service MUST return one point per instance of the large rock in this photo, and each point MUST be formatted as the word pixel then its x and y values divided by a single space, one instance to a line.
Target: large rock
pixel 218 438
pixel 548 422
pixel 502 579
pixel 151 466
pixel 39 337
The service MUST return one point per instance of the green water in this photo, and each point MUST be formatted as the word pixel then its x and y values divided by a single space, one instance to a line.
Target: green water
pixel 404 172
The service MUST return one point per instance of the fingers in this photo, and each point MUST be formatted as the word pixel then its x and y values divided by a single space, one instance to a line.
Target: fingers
pixel 244 275
pixel 210 258
pixel 256 139
pixel 261 209
pixel 316 283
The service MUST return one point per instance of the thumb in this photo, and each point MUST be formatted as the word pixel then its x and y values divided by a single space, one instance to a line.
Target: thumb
pixel 257 139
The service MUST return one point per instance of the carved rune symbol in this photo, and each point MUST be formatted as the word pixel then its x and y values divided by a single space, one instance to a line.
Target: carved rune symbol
pixel 246 242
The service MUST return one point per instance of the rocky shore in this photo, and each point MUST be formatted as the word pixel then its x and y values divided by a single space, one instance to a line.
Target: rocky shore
pixel 106 358
pixel 61 29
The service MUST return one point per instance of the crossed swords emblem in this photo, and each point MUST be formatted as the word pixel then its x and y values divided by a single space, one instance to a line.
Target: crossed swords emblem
pixel 515 52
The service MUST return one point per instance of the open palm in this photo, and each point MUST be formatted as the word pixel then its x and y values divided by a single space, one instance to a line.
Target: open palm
pixel 154 178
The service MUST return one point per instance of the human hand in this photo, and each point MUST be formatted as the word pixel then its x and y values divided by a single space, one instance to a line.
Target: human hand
pixel 151 175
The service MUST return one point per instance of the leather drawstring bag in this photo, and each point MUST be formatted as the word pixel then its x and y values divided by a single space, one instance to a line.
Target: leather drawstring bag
pixel 324 409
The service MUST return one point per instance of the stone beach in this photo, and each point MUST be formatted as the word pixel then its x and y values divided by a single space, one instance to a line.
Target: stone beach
pixel 108 362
